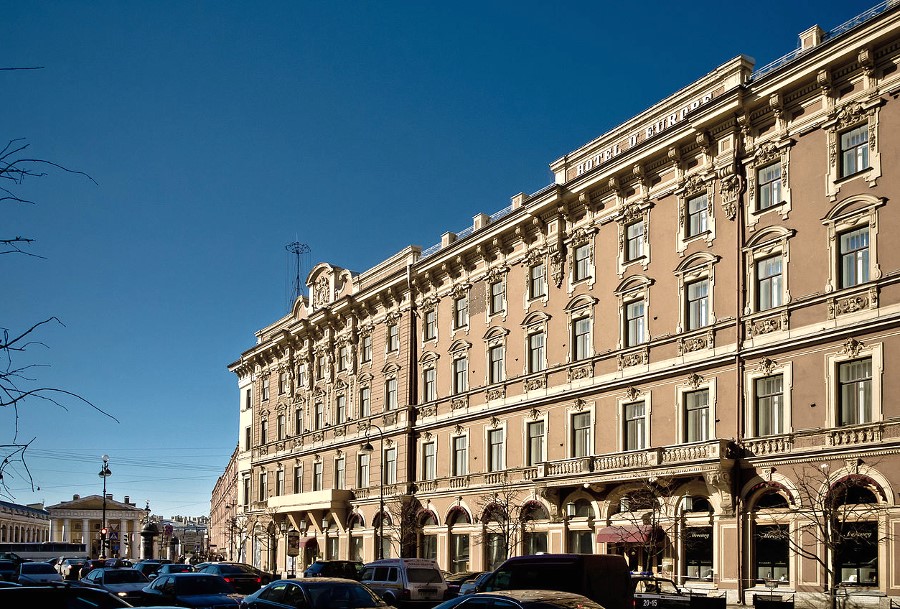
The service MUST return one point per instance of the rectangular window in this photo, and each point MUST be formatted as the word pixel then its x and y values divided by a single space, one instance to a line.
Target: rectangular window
pixel 634 241
pixel 246 491
pixel 634 426
pixel 301 376
pixel 697 309
pixel 495 450
pixel 279 482
pixel 771 552
pixel 264 431
pixel 495 370
pixel 535 443
pixel 248 399
pixel 768 283
pixel 263 487
pixel 430 329
pixel 393 337
pixel 537 284
pixel 582 262
pixel 581 338
pixel 340 409
pixel 696 416
pixel 340 473
pixel 281 426
pixel 854 150
pixel 696 220
pixel 459 552
pixel 460 456
pixel 634 323
pixel 298 479
pixel 429 461
pixel 362 471
pixel 318 415
pixel 461 312
pixel 343 358
pixel 282 383
pixel 581 434
pixel 390 466
pixel 769 179
pixel 390 394
pixel 247 438
pixel 855 257
pixel 536 352
pixel 429 385
pixel 365 402
pixel 460 375
pixel 298 421
pixel 855 387
pixel 265 389
pixel 769 405
pixel 497 297
pixel 320 368
pixel 318 482
pixel 366 354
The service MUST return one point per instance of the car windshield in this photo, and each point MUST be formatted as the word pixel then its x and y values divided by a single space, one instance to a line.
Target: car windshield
pixel 123 576
pixel 201 585
pixel 423 576
pixel 37 567
pixel 179 568
pixel 232 569
pixel 7 564
pixel 341 596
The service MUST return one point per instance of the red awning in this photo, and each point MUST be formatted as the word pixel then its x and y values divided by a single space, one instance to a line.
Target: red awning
pixel 308 542
pixel 625 533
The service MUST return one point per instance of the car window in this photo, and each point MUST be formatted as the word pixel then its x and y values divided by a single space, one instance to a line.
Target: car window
pixel 274 593
pixel 293 596
pixel 202 585
pixel 123 576
pixel 381 574
pixel 392 574
pixel 37 567
pixel 423 576
pixel 368 574
pixel 478 602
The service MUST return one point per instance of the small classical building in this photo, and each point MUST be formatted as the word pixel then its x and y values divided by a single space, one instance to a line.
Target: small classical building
pixel 23 523
pixel 81 520
pixel 683 350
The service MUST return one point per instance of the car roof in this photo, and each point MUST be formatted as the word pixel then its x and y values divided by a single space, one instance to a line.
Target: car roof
pixel 535 595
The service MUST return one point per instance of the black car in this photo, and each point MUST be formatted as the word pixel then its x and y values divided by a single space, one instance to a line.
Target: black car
pixel 66 596
pixel 314 593
pixel 175 567
pixel 348 569
pixel 658 593
pixel 521 599
pixel 456 580
pixel 147 567
pixel 191 590
pixel 9 570
pixel 243 579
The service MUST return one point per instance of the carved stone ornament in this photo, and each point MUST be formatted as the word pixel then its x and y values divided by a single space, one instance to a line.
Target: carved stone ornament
pixel 632 393
pixel 458 403
pixel 495 393
pixel 580 372
pixel 429 303
pixel 428 411
pixel 556 268
pixel 389 418
pixel 392 317
pixel 318 436
pixel 849 114
pixel 535 414
pixel 694 185
pixel 321 291
pixel 635 358
pixel 694 343
pixel 719 482
pixel 459 430
pixel 694 381
pixel 766 153
pixel 852 347
pixel 497 273
pixel 579 405
pixel 495 422
pixel 852 304
pixel 823 79
pixel 867 61
pixel 339 431
pixel 730 188
pixel 769 324
pixel 767 366
pixel 535 383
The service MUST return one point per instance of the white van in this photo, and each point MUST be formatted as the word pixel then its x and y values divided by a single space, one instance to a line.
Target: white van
pixel 406 581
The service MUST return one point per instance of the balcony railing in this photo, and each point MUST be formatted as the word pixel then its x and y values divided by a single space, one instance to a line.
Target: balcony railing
pixel 805 440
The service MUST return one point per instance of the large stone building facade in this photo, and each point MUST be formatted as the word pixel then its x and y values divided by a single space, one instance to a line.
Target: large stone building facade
pixel 683 350
pixel 222 512
pixel 23 523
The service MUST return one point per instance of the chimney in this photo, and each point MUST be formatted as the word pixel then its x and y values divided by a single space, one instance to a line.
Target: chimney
pixel 811 37
pixel 109 496
pixel 76 497
pixel 127 499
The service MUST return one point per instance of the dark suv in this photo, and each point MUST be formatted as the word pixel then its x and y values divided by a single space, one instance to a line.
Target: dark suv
pixel 347 569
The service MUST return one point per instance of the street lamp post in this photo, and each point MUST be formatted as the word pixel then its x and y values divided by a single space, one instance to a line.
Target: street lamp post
pixel 368 449
pixel 104 473
pixel 231 526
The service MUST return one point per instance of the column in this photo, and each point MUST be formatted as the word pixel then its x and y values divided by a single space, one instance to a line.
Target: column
pixel 66 533
pixel 86 534
pixel 123 533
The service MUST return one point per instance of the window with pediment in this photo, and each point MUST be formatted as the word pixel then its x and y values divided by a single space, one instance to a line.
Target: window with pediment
pixel 852 231
pixel 696 219
pixel 459 358
pixel 853 377
pixel 495 345
pixel 853 144
pixel 695 404
pixel 768 185
pixel 767 255
pixel 696 286
pixel 768 389
pixel 634 303
pixel 580 312
pixel 634 235
pixel 536 325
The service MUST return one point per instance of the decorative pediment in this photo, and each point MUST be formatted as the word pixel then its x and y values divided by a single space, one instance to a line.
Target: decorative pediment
pixel 581 302
pixel 495 333
pixel 534 318
pixel 429 357
pixel 326 283
pixel 95 502
pixel 390 369
pixel 635 282
pixel 459 345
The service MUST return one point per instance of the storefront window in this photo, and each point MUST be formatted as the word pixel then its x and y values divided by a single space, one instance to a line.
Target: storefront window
pixel 581 542
pixel 771 550
pixel 698 553
pixel 459 553
pixel 534 543
pixel 428 547
pixel 857 554
pixel 356 548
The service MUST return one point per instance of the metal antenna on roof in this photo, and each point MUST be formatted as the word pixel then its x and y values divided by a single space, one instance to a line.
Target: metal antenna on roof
pixel 301 261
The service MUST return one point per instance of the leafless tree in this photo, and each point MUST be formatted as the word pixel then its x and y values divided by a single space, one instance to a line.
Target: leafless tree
pixel 402 525
pixel 504 519
pixel 19 383
pixel 645 519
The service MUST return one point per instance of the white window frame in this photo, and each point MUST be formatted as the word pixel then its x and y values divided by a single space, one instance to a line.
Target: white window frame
pixel 774 241
pixel 623 422
pixel 340 472
pixel 363 468
pixel 490 297
pixel 453 465
pixel 851 214
pixel 429 327
pixel 429 468
pixel 694 187
pixel 393 337
pixel 761 370
pixel 391 393
pixel 698 267
pixel 855 350
pixel 633 212
pixel 488 458
pixel 571 413
pixel 845 117
pixel 429 385
pixel 529 460
pixel 766 154
pixel 695 383
pixel 461 311
pixel 633 289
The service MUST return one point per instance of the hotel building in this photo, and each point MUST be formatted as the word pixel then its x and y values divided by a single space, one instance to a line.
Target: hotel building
pixel 683 350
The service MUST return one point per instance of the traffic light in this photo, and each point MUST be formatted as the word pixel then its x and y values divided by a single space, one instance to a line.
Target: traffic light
pixel 104 531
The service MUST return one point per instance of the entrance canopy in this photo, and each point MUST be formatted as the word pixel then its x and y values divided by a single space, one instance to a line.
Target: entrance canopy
pixel 308 542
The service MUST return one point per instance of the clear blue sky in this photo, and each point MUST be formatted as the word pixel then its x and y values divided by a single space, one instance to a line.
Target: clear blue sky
pixel 218 132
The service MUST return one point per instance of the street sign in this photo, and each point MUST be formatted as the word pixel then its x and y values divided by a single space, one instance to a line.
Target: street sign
pixel 168 530
pixel 293 543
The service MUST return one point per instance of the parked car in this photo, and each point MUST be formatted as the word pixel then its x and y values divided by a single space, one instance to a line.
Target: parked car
pixel 124 583
pixel 470 586
pixel 348 569
pixel 314 593
pixel 31 573
pixel 118 563
pixel 658 593
pixel 70 568
pixel 603 578
pixel 53 597
pixel 191 590
pixel 175 567
pixel 455 580
pixel 411 581
pixel 90 565
pixel 244 580
pixel 521 599
pixel 147 567
pixel 9 571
